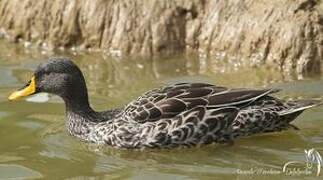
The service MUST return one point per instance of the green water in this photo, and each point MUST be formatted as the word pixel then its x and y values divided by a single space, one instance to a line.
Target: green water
pixel 34 143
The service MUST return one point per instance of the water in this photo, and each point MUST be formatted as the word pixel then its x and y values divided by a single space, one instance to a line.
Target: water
pixel 34 143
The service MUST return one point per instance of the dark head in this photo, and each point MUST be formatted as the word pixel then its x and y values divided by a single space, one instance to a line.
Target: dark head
pixel 58 76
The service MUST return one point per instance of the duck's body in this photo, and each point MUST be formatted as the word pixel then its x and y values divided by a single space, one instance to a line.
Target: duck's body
pixel 187 114
pixel 184 114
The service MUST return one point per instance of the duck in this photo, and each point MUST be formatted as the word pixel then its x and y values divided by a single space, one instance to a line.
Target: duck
pixel 182 114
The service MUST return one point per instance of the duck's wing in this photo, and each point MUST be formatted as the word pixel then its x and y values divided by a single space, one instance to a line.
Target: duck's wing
pixel 169 101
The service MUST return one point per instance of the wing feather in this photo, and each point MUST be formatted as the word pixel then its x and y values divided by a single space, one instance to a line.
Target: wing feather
pixel 169 101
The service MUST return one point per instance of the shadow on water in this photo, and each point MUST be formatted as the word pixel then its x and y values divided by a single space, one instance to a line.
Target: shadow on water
pixel 34 142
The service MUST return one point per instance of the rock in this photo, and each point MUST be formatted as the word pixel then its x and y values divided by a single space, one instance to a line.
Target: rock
pixel 283 34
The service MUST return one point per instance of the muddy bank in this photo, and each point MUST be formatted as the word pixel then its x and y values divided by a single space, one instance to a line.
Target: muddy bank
pixel 285 34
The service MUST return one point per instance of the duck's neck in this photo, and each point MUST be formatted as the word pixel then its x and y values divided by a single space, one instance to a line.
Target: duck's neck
pixel 76 99
pixel 78 104
pixel 80 117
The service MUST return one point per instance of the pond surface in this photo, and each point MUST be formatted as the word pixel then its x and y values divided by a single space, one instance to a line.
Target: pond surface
pixel 34 143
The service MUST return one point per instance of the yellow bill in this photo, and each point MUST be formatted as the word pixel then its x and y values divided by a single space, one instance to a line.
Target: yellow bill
pixel 29 89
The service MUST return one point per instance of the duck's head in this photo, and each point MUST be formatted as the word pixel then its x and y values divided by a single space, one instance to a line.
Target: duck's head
pixel 59 76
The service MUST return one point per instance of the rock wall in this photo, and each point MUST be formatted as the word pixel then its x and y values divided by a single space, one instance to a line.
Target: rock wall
pixel 286 34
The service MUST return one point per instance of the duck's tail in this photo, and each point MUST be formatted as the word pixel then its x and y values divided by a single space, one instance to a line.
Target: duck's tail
pixel 294 108
pixel 270 118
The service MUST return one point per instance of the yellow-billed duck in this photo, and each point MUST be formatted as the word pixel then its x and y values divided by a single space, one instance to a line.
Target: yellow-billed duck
pixel 184 114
